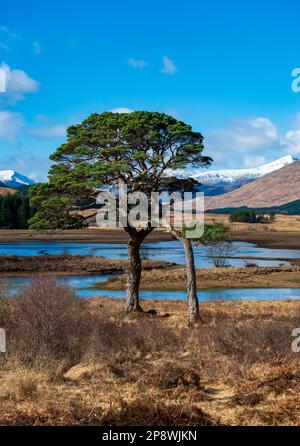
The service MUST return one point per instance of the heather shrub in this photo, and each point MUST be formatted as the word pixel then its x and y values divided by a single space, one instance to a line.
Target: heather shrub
pixel 46 320
pixel 52 325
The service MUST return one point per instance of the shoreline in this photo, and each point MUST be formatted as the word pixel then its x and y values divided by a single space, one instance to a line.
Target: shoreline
pixel 264 239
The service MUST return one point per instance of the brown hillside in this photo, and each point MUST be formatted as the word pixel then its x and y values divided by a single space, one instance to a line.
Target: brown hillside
pixel 274 189
pixel 6 191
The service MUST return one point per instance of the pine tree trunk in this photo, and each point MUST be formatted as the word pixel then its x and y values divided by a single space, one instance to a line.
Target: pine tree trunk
pixel 193 303
pixel 133 276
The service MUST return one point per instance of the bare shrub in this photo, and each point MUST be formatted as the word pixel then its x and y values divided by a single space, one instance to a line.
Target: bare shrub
pixel 219 253
pixel 250 264
pixel 52 325
pixel 46 321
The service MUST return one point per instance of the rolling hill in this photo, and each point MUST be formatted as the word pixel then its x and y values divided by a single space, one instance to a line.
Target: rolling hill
pixel 274 189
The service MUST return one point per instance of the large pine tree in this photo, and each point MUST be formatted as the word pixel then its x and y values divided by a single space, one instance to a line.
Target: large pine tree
pixel 135 149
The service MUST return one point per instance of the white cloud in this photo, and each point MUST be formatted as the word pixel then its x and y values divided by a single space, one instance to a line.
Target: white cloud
pixel 37 48
pixel 10 124
pixel 248 134
pixel 251 134
pixel 247 143
pixel 18 83
pixel 266 127
pixel 137 63
pixel 168 66
pixel 121 110
pixel 54 131
pixel 291 142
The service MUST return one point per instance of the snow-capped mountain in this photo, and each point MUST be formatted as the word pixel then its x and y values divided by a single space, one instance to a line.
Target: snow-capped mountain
pixel 11 178
pixel 215 182
pixel 211 177
pixel 272 190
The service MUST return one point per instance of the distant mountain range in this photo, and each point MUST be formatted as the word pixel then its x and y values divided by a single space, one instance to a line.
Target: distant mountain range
pixel 274 189
pixel 213 182
pixel 272 185
pixel 216 182
pixel 13 179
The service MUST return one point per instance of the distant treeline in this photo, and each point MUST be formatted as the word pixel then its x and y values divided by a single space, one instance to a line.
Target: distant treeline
pixel 250 216
pixel 15 210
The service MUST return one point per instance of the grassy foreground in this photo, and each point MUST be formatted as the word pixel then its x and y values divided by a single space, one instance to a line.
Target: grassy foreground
pixel 84 362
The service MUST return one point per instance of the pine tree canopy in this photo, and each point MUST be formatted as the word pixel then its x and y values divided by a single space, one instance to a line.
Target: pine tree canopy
pixel 134 148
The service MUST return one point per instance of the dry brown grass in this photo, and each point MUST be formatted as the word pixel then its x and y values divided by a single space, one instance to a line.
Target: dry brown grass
pixel 20 385
pixel 254 277
pixel 99 366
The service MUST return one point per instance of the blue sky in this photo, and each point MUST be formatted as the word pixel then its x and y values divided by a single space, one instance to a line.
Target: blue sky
pixel 223 66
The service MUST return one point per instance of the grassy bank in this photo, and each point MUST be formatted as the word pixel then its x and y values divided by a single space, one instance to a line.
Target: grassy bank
pixel 248 277
pixel 88 363
pixel 70 264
